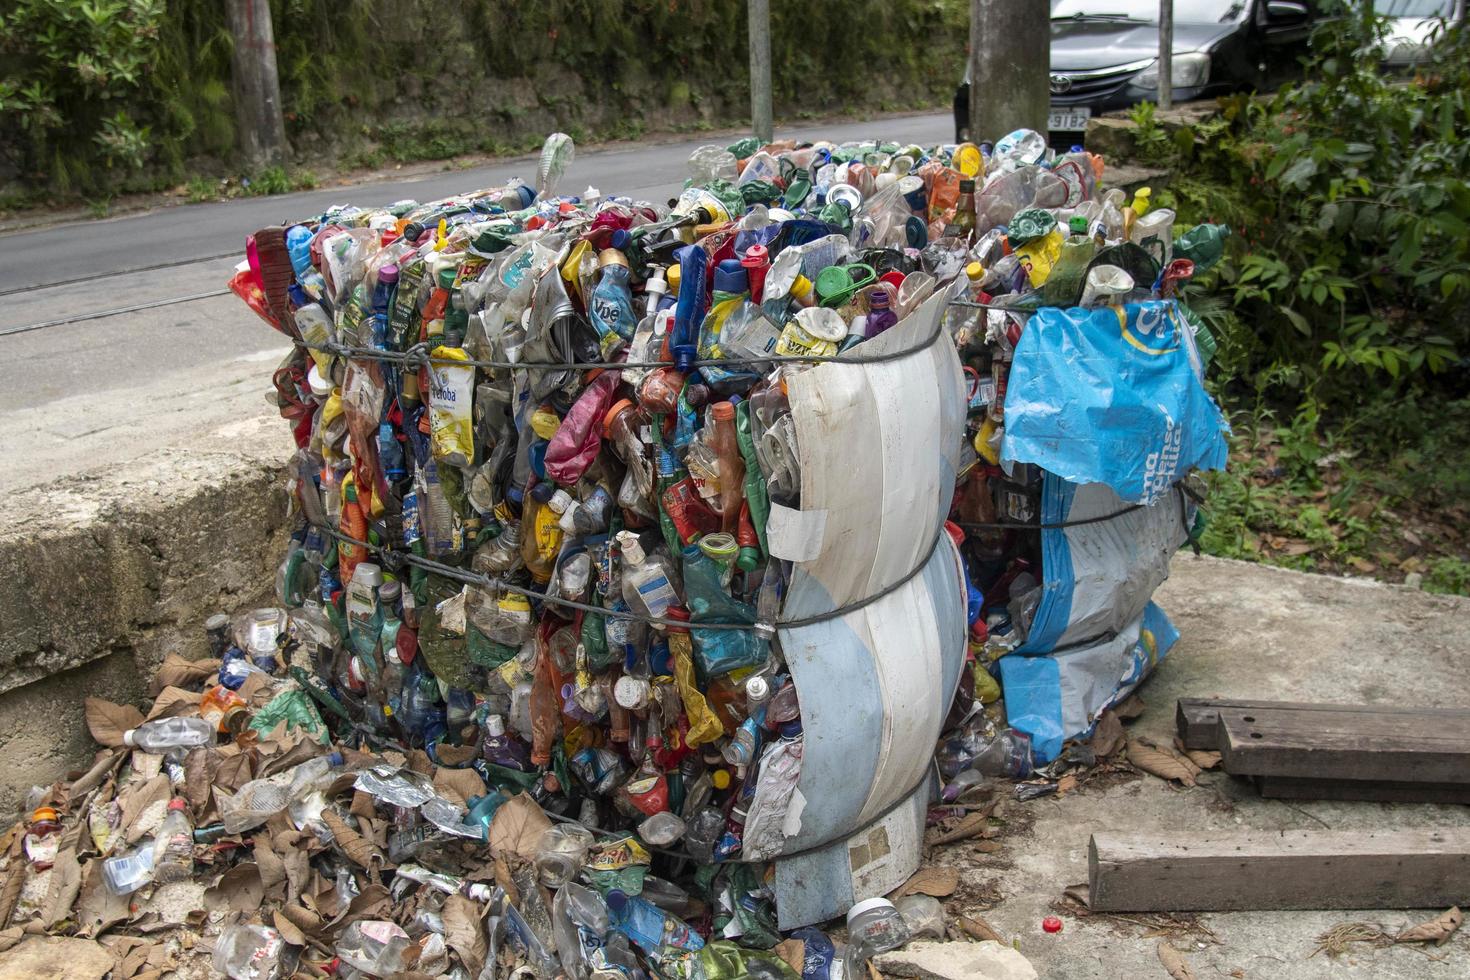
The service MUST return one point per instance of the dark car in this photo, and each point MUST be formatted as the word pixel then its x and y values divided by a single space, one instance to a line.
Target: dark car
pixel 1104 55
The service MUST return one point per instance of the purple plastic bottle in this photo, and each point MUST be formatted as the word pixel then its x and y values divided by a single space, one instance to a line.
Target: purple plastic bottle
pixel 880 317
pixel 501 749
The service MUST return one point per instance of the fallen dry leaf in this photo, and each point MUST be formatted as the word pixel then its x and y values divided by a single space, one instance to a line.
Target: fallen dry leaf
pixel 1066 784
pixel 1129 708
pixel 357 847
pixel 107 721
pixel 458 785
pixel 1108 738
pixel 289 930
pixel 973 825
pixel 98 909
pixel 1437 930
pixel 1174 962
pixel 178 672
pixel 937 880
pixel 173 701
pixel 464 933
pixel 1163 763
pixel 977 928
pixel 456 755
pixel 518 826
pixel 792 953
pixel 1202 759
pixel 238 889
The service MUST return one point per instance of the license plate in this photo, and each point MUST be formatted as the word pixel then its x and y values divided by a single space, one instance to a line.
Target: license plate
pixel 1068 119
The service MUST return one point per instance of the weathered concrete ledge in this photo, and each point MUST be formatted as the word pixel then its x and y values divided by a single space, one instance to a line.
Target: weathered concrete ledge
pixel 102 576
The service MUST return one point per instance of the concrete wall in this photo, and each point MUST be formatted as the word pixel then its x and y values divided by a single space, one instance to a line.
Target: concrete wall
pixel 102 576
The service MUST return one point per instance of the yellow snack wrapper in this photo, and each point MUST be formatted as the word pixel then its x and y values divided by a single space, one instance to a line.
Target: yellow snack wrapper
pixel 704 724
pixel 451 423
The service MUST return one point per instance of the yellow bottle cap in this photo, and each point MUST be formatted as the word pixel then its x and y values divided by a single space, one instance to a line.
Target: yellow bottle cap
pixel 968 159
pixel 802 287
pixel 720 778
pixel 975 271
pixel 672 277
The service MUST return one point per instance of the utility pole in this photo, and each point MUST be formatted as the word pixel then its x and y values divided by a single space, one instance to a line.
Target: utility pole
pixel 760 69
pixel 1010 62
pixel 257 88
pixel 1166 54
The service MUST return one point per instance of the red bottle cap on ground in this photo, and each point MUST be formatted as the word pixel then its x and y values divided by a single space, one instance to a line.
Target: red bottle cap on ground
pixel 1051 924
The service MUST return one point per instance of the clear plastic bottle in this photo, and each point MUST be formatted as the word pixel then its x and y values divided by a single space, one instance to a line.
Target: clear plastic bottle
pixel 648 586
pixel 171 736
pixel 260 799
pixel 248 952
pixel 502 554
pixel 579 924
pixel 873 926
pixel 373 946
pixel 923 916
pixel 173 847
pixel 125 873
pixel 364 613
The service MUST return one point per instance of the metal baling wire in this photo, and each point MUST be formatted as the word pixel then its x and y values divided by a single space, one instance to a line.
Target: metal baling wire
pixel 486 582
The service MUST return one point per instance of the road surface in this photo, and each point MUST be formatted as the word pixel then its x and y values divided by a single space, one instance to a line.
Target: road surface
pixel 90 394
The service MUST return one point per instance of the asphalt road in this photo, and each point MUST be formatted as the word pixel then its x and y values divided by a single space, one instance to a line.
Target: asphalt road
pixel 105 390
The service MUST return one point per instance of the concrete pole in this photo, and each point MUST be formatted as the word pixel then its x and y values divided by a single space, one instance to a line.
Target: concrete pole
pixel 1010 61
pixel 257 88
pixel 1166 54
pixel 760 69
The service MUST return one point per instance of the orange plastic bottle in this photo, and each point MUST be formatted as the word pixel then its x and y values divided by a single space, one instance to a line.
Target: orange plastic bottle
pixel 732 465
pixel 216 703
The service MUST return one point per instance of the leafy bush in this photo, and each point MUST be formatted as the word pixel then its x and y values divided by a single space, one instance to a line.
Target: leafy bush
pixel 1350 196
pixel 71 76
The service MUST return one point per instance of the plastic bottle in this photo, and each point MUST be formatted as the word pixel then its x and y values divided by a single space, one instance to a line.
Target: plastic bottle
pixel 873 926
pixel 649 927
pixel 171 736
pixel 622 425
pixel 880 316
pixel 364 614
pixel 962 225
pixel 502 749
pixel 219 703
pixel 125 873
pixel 923 916
pixel 43 837
pixel 726 445
pixel 648 586
pixel 249 952
pixel 501 555
pixel 611 306
pixel 373 946
pixel 561 852
pixel 173 847
pixel 260 799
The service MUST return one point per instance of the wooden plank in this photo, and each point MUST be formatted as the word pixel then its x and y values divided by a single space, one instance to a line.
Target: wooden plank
pixel 1196 718
pixel 1322 745
pixel 1292 869
pixel 1383 791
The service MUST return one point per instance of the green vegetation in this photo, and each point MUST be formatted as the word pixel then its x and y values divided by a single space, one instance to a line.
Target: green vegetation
pixel 1342 309
pixel 103 97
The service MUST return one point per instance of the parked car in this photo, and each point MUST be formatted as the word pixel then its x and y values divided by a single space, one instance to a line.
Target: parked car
pixel 1104 54
pixel 1412 27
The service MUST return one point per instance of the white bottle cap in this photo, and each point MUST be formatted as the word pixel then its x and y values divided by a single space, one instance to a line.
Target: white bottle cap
pixel 368 574
pixel 320 387
pixel 494 726
pixel 632 549
pixel 130 737
pixel 867 906
pixel 560 501
pixel 757 689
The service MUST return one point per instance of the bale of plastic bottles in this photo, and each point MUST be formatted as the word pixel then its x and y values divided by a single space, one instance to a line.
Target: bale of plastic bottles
pixel 700 525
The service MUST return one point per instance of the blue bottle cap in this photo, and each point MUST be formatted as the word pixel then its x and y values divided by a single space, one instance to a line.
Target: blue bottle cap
pixel 537 454
pixel 297 296
pixel 616 899
pixel 621 239
pixel 730 277
pixel 543 492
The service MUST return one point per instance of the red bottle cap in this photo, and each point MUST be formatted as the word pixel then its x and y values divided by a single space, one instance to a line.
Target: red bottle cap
pixel 1051 924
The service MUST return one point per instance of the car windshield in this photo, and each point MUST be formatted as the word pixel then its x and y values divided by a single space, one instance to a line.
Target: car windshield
pixel 1185 11
pixel 1414 8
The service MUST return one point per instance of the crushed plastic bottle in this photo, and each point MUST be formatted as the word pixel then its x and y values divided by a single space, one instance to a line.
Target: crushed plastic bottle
pixel 249 952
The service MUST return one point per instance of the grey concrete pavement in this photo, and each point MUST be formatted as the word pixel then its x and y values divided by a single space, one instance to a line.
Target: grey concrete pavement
pixel 1248 631
pixel 101 392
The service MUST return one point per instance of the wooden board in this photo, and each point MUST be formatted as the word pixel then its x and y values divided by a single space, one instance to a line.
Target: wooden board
pixel 1196 718
pixel 1363 745
pixel 1383 791
pixel 1293 869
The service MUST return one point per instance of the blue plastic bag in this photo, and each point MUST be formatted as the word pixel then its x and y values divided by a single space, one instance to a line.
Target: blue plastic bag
pixel 1112 395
